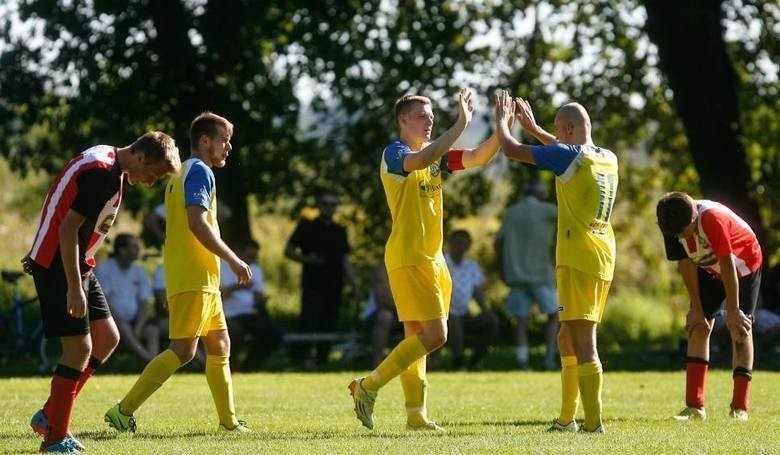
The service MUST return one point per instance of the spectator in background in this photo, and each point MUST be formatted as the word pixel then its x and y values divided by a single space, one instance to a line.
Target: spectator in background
pixel 321 246
pixel 379 314
pixel 125 284
pixel 524 249
pixel 153 229
pixel 467 281
pixel 245 309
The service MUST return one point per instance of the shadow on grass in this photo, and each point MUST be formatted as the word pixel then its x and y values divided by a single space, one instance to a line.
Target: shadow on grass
pixel 500 423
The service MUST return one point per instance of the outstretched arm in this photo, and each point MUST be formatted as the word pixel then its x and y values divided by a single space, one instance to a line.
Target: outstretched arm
pixel 436 149
pixel 513 149
pixel 482 154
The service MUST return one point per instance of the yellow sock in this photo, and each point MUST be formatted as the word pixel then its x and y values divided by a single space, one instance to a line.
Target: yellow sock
pixel 415 386
pixel 157 371
pixel 221 386
pixel 570 389
pixel 399 359
pixel 590 379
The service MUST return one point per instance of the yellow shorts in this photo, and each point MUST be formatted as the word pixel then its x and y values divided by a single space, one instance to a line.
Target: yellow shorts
pixel 421 292
pixel 194 314
pixel 580 295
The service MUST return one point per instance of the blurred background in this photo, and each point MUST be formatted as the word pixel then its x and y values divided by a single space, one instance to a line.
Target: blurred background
pixel 686 93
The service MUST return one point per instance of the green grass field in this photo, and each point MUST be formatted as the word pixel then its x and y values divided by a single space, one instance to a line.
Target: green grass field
pixel 483 412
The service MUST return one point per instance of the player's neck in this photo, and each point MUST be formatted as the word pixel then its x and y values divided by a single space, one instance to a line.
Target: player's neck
pixel 124 156
pixel 201 156
pixel 414 143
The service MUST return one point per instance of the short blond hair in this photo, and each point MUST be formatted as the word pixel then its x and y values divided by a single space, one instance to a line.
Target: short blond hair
pixel 405 103
pixel 158 147
pixel 207 123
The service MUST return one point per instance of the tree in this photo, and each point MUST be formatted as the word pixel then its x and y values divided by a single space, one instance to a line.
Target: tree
pixel 695 59
pixel 310 87
pixel 108 71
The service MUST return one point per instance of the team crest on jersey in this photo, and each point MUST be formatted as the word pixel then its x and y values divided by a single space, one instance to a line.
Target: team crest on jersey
pixel 434 168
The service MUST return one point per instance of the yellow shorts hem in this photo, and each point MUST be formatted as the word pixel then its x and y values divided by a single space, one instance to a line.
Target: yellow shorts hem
pixel 581 296
pixel 421 292
pixel 194 314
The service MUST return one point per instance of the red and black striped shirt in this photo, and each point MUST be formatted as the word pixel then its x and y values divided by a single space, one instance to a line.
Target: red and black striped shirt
pixel 91 185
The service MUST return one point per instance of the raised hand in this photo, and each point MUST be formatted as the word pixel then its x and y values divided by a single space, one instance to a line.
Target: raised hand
pixel 465 107
pixel 525 115
pixel 505 108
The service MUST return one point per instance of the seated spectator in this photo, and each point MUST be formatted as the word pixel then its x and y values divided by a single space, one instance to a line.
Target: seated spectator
pixel 126 287
pixel 160 301
pixel 245 310
pixel 379 315
pixel 467 281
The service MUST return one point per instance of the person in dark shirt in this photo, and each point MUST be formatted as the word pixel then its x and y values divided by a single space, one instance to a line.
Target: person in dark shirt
pixel 321 246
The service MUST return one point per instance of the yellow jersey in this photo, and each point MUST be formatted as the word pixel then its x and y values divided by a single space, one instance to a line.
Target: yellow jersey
pixel 187 264
pixel 586 183
pixel 415 201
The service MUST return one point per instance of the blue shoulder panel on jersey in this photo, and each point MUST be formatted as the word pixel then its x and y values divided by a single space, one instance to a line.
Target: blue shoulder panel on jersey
pixel 198 185
pixel 394 155
pixel 555 157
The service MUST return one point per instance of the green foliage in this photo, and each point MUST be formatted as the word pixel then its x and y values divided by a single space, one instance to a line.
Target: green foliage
pixel 312 413
pixel 637 320
pixel 310 89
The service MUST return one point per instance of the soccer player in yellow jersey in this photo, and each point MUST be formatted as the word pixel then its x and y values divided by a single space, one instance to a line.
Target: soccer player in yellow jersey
pixel 411 169
pixel 191 256
pixel 586 181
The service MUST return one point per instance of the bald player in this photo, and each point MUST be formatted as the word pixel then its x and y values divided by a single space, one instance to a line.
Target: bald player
pixel 586 182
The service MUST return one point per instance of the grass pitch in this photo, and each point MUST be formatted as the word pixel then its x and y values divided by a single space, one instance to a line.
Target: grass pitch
pixel 505 412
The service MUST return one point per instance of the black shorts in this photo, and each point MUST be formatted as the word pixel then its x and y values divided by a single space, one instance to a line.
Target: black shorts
pixel 713 295
pixel 52 288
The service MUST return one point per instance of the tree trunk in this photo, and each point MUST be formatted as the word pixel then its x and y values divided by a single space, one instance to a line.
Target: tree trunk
pixel 692 53
pixel 193 90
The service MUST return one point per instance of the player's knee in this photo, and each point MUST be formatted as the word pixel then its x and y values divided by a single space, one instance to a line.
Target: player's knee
pixel 185 353
pixel 700 332
pixel 76 351
pixel 563 338
pixel 435 340
pixel 111 340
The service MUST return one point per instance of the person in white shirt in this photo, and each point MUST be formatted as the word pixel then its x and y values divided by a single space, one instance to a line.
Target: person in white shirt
pixel 126 287
pixel 467 282
pixel 245 310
